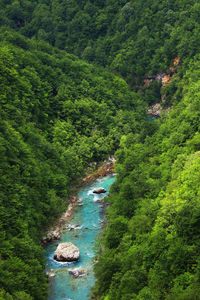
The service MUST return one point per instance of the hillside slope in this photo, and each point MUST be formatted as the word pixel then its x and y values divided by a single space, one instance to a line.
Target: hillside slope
pixel 133 38
pixel 57 115
pixel 151 244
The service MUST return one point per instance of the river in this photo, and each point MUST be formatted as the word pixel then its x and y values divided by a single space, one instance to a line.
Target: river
pixel 82 229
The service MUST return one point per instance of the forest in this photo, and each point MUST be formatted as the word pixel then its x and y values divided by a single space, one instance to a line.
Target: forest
pixel 77 79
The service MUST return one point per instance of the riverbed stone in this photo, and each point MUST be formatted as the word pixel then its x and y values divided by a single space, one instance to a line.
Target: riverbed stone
pixel 77 272
pixel 99 190
pixel 67 252
pixel 51 236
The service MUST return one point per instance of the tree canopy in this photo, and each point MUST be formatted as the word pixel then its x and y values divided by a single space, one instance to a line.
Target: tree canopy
pixel 76 80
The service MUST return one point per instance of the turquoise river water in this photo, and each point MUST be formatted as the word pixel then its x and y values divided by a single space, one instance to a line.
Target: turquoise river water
pixel 82 229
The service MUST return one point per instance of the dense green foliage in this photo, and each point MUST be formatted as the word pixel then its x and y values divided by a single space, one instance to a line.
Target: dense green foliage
pixel 133 38
pixel 152 239
pixel 58 114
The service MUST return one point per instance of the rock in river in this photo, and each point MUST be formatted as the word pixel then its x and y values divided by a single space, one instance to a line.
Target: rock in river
pixel 99 190
pixel 77 272
pixel 66 252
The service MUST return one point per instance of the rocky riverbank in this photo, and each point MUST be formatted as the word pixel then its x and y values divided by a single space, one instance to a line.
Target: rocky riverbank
pixel 55 232
pixel 106 169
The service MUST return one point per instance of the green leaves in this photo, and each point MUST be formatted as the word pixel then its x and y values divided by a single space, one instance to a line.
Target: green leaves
pixel 157 190
pixel 58 114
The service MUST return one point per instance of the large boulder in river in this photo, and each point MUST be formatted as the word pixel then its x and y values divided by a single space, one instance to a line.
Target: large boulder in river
pixel 99 190
pixel 66 252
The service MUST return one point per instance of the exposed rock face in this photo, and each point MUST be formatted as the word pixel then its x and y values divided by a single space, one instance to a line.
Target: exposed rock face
pixel 99 190
pixel 66 252
pixel 155 110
